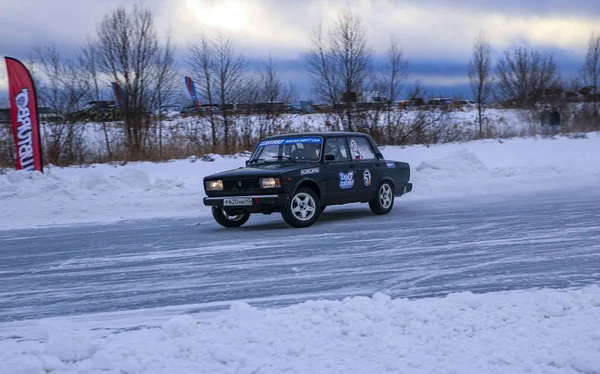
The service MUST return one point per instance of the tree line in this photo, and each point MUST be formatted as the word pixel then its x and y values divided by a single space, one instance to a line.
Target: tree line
pixel 340 65
pixel 524 77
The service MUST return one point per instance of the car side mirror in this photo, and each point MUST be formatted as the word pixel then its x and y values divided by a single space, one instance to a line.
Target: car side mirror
pixel 247 162
pixel 329 157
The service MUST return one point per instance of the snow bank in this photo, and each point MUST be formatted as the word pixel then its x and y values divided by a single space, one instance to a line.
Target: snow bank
pixel 105 193
pixel 501 166
pixel 544 331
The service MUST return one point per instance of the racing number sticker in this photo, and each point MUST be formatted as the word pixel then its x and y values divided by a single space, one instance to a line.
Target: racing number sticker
pixel 367 177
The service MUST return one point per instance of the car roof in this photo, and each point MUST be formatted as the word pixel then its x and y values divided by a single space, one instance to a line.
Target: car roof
pixel 321 134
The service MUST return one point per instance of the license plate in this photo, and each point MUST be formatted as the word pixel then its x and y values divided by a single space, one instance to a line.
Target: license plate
pixel 240 201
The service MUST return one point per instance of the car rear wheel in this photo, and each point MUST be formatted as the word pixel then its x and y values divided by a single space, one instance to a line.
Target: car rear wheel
pixel 229 220
pixel 303 209
pixel 384 201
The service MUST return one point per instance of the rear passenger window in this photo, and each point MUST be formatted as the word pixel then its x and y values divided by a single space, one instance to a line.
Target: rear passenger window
pixel 361 149
pixel 338 148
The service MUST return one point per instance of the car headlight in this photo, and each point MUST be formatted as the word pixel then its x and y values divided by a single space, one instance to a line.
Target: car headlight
pixel 270 182
pixel 214 185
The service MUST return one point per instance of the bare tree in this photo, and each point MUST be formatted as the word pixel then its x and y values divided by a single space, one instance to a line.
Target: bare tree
pixel 249 97
pixel 573 83
pixel 480 75
pixel 417 90
pixel 201 61
pixel 220 74
pixel 321 68
pixel 396 70
pixel 395 74
pixel 165 84
pixel 7 143
pixel 272 88
pixel 273 96
pixel 340 62
pixel 523 75
pixel 128 48
pixel 590 72
pixel 350 50
pixel 89 60
pixel 231 70
pixel 61 86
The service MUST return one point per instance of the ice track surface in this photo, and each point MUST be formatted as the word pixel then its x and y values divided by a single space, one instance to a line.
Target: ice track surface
pixel 422 248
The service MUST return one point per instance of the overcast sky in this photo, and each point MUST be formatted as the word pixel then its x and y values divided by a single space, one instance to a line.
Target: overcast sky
pixel 436 35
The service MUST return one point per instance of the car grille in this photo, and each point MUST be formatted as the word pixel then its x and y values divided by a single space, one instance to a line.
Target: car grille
pixel 241 184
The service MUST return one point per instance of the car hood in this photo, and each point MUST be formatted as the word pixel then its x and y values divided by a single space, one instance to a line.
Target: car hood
pixel 260 170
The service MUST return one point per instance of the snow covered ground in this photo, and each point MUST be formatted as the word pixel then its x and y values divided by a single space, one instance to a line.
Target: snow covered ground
pixel 547 331
pixel 534 331
pixel 499 123
pixel 105 193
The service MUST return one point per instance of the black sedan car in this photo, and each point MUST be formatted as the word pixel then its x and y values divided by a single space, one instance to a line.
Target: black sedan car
pixel 298 175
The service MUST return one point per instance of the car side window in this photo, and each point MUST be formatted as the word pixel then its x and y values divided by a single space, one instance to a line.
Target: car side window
pixel 311 152
pixel 361 149
pixel 338 148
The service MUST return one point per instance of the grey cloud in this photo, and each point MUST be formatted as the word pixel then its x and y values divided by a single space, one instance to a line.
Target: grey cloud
pixel 67 23
pixel 514 8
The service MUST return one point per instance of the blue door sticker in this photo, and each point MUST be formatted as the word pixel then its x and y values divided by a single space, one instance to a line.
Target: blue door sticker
pixel 346 180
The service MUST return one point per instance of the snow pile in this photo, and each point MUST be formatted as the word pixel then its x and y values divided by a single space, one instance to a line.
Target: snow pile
pixel 545 331
pixel 105 193
pixel 94 180
pixel 463 162
pixel 50 198
pixel 459 169
pixel 126 179
pixel 494 166
pixel 25 184
pixel 67 343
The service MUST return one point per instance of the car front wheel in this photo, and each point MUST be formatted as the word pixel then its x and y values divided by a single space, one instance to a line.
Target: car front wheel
pixel 303 209
pixel 228 220
pixel 384 201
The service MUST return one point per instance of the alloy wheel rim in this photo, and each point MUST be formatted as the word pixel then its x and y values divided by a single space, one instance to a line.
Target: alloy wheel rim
pixel 233 218
pixel 385 196
pixel 303 206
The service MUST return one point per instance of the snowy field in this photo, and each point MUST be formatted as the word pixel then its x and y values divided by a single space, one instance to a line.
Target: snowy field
pixel 524 331
pixel 498 122
pixel 517 332
pixel 105 193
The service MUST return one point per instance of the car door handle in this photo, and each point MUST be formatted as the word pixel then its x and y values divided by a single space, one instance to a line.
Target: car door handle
pixel 352 166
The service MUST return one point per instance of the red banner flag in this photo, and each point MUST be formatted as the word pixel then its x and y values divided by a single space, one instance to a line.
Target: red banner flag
pixel 25 121
pixel 191 87
pixel 119 95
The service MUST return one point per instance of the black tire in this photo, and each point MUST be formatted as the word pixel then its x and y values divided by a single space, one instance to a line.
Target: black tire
pixel 304 201
pixel 384 200
pixel 229 221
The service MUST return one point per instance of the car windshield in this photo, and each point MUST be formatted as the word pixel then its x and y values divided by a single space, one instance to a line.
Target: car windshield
pixel 291 148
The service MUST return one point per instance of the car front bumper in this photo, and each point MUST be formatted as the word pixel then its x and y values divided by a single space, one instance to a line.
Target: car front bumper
pixel 255 202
